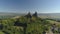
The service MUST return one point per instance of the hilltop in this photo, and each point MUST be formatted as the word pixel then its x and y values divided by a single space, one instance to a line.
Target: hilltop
pixel 29 24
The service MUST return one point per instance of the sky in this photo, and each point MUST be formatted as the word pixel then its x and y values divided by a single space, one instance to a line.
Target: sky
pixel 24 6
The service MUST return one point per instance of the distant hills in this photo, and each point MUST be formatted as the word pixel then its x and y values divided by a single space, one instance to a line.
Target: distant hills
pixel 10 14
pixel 50 15
pixel 43 15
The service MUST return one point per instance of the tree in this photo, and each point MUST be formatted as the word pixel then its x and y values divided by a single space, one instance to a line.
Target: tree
pixel 28 15
pixel 35 14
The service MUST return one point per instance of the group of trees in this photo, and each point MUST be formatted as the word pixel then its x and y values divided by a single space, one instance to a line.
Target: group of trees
pixel 30 16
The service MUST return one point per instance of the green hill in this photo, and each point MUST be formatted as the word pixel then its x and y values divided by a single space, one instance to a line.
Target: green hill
pixel 27 25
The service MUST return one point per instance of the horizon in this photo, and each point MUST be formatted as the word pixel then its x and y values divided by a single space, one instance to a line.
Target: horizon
pixel 26 13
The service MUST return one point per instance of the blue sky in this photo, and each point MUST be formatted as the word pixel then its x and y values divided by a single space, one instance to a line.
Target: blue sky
pixel 24 6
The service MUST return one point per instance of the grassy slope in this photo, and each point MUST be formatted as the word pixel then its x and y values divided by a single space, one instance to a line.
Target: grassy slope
pixel 35 27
